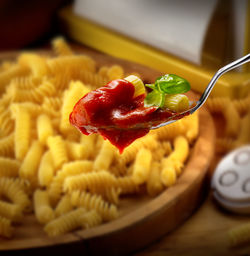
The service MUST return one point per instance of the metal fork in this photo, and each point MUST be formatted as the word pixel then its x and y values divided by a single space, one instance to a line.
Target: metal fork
pixel 207 91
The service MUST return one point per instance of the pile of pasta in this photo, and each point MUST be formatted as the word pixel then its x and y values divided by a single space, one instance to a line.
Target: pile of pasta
pixel 236 114
pixel 47 167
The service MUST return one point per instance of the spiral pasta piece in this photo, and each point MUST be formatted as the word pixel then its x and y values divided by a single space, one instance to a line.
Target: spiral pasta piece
pixel 244 135
pixel 15 191
pixel 232 118
pixel 168 173
pixel 58 150
pixel 71 63
pixel 22 133
pixel 94 80
pixel 138 84
pixel 44 128
pixel 239 235
pixel 127 185
pixel 65 223
pixel 149 141
pixel 7 146
pixel 217 104
pixel 176 102
pixel 96 181
pixel 9 167
pixel 54 103
pixel 242 105
pixel 30 164
pixel 26 82
pixel 115 72
pixel 142 166
pixel 46 170
pixel 154 184
pixel 68 170
pixel 224 145
pixel 89 201
pixel 90 219
pixel 7 75
pixel 105 156
pixel 63 206
pixel 6 122
pixel 170 131
pixel 43 211
pixel 61 47
pixel 36 63
pixel 191 123
pixel 10 211
pixel 112 195
pixel 6 230
pixel 76 91
pixel 37 94
pixel 76 151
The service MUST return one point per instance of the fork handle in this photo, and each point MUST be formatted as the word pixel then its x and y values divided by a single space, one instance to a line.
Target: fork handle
pixel 216 76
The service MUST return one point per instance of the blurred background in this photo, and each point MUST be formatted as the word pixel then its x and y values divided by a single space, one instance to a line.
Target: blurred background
pixel 191 38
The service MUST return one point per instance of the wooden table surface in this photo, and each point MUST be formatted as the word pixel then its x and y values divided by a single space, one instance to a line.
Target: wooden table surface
pixel 204 233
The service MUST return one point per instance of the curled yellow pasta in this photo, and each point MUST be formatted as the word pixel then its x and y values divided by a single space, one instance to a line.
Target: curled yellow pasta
pixel 68 170
pixel 10 211
pixel 115 72
pixel 232 118
pixel 46 170
pixel 9 167
pixel 22 133
pixel 90 219
pixel 149 141
pixel 138 84
pixel 15 191
pixel 154 184
pixel 90 201
pixel 7 145
pixel 65 223
pixel 95 181
pixel 63 206
pixel 239 235
pixel 44 128
pixel 30 164
pixel 76 91
pixel 76 151
pixel 61 47
pixel 43 211
pixel 6 230
pixel 58 150
pixel 176 102
pixel 142 166
pixel 105 156
pixel 35 63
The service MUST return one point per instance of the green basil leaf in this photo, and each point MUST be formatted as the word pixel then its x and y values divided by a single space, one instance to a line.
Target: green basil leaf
pixel 172 84
pixel 154 98
pixel 151 86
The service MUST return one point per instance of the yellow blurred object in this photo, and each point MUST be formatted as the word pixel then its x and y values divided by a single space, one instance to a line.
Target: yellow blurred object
pixel 233 84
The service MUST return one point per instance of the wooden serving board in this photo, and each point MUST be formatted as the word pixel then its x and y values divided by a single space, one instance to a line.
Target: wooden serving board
pixel 142 219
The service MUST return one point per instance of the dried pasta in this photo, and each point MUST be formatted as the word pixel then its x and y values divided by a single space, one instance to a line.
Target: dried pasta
pixel 6 230
pixel 46 170
pixel 65 223
pixel 239 235
pixel 44 128
pixel 68 180
pixel 64 205
pixel 142 166
pixel 89 201
pixel 43 210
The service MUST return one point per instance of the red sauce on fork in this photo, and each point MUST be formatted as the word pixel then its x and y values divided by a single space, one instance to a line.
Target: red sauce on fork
pixel 113 112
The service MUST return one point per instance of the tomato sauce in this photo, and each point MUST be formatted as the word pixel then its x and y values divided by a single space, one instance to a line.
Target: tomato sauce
pixel 115 113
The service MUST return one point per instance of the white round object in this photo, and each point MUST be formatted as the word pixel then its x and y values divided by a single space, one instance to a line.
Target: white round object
pixel 231 181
